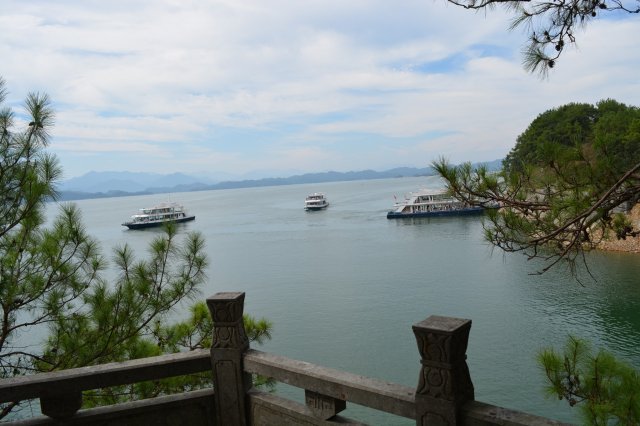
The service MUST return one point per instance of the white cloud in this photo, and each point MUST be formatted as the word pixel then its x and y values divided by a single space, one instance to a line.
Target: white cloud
pixel 254 85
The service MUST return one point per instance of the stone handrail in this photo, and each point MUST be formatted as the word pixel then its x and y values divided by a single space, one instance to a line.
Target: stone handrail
pixel 104 375
pixel 444 395
pixel 60 392
pixel 377 394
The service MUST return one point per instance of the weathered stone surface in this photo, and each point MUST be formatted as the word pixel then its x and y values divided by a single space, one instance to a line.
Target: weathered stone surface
pixel 104 375
pixel 322 406
pixel 444 384
pixel 62 405
pixel 189 408
pixel 380 395
pixel 268 409
pixel 480 414
pixel 227 350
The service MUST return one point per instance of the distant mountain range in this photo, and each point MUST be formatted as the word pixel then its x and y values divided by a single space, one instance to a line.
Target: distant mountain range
pixel 122 184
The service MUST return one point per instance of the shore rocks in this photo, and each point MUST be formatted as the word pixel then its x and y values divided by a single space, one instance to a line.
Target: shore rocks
pixel 631 244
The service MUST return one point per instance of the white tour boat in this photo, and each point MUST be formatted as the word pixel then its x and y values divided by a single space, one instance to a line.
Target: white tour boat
pixel 426 203
pixel 316 201
pixel 159 215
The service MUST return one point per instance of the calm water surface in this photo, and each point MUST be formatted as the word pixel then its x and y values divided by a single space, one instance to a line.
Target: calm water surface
pixel 343 286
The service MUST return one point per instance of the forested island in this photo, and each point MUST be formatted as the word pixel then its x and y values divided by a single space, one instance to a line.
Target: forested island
pixel 569 184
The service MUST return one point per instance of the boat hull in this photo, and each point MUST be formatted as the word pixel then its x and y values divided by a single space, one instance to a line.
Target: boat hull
pixel 462 212
pixel 316 208
pixel 154 224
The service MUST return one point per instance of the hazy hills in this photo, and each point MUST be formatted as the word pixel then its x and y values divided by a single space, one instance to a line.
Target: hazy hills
pixel 119 184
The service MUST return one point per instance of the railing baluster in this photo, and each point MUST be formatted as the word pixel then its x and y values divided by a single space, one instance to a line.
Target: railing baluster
pixel 230 342
pixel 322 406
pixel 61 406
pixel 445 384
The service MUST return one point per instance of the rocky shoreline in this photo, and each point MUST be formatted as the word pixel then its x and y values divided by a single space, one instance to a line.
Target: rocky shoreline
pixel 631 244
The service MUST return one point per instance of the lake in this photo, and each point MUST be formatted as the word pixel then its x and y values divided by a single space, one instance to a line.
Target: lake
pixel 343 286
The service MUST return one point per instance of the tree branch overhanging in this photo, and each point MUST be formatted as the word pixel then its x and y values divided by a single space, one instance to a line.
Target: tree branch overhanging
pixel 551 25
pixel 538 228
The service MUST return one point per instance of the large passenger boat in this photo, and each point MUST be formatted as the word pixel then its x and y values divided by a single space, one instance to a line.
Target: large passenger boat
pixel 426 203
pixel 316 201
pixel 159 215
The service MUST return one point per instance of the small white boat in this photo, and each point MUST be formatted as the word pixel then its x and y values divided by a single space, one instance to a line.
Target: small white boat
pixel 159 215
pixel 425 203
pixel 316 201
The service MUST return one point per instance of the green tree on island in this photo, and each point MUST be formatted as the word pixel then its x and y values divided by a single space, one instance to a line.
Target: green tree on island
pixel 52 277
pixel 563 188
pixel 562 185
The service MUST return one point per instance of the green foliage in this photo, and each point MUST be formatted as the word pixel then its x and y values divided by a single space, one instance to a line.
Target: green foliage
pixel 112 318
pixel 622 226
pixel 553 136
pixel 606 389
pixel 52 277
pixel 560 183
pixel 195 332
pixel 602 141
pixel 42 271
pixel 616 137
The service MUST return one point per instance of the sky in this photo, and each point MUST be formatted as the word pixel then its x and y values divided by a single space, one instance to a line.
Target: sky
pixel 255 88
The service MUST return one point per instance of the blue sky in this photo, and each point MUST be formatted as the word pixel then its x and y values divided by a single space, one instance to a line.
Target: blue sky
pixel 254 88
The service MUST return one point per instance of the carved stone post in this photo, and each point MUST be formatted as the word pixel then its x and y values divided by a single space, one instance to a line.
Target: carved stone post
pixel 444 384
pixel 229 344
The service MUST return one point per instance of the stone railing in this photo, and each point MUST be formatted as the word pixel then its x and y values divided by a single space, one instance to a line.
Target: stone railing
pixel 444 395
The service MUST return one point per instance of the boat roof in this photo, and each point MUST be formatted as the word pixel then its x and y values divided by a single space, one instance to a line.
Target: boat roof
pixel 163 206
pixel 427 191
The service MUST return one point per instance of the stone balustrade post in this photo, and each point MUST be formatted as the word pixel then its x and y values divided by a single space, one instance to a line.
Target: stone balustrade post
pixel 230 342
pixel 322 406
pixel 445 384
pixel 61 406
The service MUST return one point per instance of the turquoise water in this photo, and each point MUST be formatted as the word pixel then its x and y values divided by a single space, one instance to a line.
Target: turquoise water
pixel 343 286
